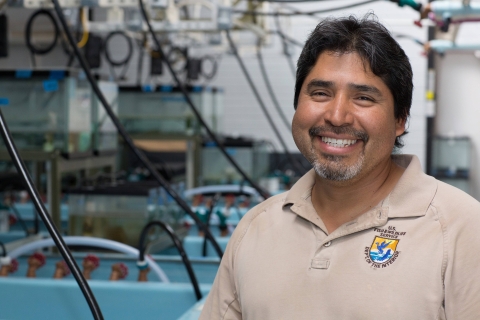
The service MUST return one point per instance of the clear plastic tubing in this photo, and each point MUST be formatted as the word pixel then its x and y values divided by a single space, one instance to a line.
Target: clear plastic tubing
pixel 93 242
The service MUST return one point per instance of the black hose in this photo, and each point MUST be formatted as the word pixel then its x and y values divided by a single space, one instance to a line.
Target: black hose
pixel 66 49
pixel 308 14
pixel 28 32
pixel 125 62
pixel 210 133
pixel 270 89
pixel 213 72
pixel 290 1
pixel 285 47
pixel 142 246
pixel 298 13
pixel 287 38
pixel 292 160
pixel 109 58
pixel 128 140
pixel 290 62
pixel 20 219
pixel 36 222
pixel 180 54
pixel 4 250
pixel 47 220
pixel 405 36
pixel 140 60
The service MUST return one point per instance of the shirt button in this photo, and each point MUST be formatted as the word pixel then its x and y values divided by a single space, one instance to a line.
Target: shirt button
pixel 327 244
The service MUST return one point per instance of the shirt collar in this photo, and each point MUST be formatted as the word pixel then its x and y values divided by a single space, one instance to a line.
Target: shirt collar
pixel 414 192
pixel 410 197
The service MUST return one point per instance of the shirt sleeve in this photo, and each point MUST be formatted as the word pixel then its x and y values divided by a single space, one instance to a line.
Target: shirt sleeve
pixel 462 272
pixel 222 301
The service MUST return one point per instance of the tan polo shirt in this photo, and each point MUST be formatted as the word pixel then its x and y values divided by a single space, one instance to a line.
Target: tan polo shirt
pixel 415 256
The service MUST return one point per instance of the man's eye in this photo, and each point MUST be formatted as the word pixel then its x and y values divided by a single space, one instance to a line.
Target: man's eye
pixel 319 93
pixel 364 98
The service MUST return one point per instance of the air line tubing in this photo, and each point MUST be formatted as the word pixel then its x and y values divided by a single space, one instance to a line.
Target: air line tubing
pixel 285 48
pixel 300 13
pixel 121 130
pixel 291 159
pixel 210 133
pixel 270 89
pixel 42 211
pixel 142 247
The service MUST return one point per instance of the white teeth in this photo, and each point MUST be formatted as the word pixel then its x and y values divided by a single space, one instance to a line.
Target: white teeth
pixel 339 143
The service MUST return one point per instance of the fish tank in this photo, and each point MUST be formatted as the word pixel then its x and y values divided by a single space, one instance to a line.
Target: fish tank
pixel 104 131
pixel 451 160
pixel 164 109
pixel 119 212
pixel 251 155
pixel 47 110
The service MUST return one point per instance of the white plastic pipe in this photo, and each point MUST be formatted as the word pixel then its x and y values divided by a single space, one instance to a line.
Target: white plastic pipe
pixel 92 242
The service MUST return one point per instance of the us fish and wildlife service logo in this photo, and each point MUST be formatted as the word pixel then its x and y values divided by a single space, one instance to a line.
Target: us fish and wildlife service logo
pixel 382 252
pixel 382 249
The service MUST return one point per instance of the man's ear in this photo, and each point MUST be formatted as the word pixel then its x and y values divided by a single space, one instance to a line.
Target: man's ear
pixel 400 126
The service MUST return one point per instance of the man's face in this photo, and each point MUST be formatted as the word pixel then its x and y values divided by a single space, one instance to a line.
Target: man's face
pixel 344 123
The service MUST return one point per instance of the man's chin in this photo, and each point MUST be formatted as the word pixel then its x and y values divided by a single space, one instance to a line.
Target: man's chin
pixel 335 168
pixel 333 175
pixel 333 158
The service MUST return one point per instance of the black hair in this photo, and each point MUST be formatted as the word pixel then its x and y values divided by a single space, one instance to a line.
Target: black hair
pixel 374 44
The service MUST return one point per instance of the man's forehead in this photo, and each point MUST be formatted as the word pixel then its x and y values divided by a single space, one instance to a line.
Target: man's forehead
pixel 361 60
pixel 365 63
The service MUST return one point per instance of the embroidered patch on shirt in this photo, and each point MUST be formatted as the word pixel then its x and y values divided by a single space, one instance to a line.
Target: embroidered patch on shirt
pixel 383 251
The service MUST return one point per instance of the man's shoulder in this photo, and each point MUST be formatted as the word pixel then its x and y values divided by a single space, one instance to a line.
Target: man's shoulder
pixel 271 204
pixel 455 204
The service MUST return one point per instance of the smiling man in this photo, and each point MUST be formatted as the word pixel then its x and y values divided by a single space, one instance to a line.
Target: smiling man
pixel 365 234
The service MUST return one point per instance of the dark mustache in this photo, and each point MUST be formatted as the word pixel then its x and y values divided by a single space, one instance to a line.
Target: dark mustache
pixel 321 130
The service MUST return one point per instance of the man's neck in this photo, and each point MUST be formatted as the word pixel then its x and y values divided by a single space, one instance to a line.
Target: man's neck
pixel 337 203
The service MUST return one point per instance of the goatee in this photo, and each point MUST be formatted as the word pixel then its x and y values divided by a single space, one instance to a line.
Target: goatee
pixel 332 167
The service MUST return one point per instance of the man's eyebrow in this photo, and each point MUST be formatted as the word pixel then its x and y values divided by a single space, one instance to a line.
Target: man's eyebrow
pixel 317 83
pixel 365 88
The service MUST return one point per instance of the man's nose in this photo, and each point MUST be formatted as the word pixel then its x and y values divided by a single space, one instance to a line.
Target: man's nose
pixel 339 111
